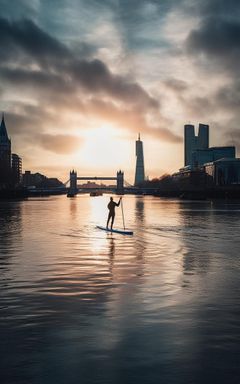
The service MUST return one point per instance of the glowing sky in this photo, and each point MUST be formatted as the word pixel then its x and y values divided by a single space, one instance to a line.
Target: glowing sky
pixel 80 78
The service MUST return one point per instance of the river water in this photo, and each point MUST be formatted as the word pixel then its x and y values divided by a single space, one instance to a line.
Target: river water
pixel 79 305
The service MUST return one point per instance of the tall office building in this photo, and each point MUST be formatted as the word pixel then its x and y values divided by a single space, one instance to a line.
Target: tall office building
pixel 139 174
pixel 203 156
pixel 16 169
pixel 5 156
pixel 193 142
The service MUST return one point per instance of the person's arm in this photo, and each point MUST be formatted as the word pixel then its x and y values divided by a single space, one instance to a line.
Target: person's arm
pixel 117 204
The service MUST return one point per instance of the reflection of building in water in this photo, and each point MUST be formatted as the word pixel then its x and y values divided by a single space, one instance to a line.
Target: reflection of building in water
pixel 73 209
pixel 111 253
pixel 10 229
pixel 194 220
pixel 139 209
pixel 140 246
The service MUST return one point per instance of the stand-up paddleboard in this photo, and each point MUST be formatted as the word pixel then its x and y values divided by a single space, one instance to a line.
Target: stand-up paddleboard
pixel 121 231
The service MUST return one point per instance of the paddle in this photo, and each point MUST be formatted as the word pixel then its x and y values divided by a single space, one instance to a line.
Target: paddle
pixel 123 215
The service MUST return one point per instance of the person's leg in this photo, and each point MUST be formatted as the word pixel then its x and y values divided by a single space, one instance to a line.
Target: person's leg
pixel 113 216
pixel 109 216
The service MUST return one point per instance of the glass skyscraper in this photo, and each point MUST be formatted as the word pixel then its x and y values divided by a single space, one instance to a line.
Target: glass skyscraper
pixel 192 142
pixel 139 173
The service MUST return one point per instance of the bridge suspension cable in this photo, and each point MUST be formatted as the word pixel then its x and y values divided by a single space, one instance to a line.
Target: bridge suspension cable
pixel 127 184
pixel 66 182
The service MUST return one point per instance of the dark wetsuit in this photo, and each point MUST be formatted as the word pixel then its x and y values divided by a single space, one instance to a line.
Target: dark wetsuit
pixel 111 215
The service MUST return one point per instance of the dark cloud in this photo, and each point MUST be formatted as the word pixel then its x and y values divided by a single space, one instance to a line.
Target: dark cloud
pixel 23 37
pixel 35 79
pixel 96 77
pixel 223 99
pixel 132 17
pixel 176 85
pixel 215 47
pixel 18 124
pixel 65 80
pixel 228 97
pixel 215 37
pixel 194 106
pixel 198 106
pixel 29 126
pixel 24 120
pixel 93 76
pixel 227 9
pixel 20 9
pixel 232 137
pixel 219 40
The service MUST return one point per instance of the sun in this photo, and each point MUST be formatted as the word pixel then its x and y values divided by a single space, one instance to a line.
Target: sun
pixel 102 149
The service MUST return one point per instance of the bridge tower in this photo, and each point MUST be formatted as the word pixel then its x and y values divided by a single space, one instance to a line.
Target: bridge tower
pixel 73 184
pixel 120 182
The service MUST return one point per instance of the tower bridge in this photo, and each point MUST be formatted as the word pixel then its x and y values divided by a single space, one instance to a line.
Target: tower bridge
pixel 121 184
pixel 74 189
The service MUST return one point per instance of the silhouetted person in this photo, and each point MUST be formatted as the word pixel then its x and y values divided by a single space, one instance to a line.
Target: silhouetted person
pixel 111 206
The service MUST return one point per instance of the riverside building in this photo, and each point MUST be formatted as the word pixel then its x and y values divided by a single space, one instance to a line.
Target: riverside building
pixel 223 172
pixel 16 169
pixel 10 164
pixel 5 156
pixel 194 142
pixel 203 156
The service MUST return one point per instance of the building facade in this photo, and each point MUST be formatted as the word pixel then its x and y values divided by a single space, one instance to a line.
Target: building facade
pixel 194 142
pixel 203 156
pixel 223 172
pixel 139 173
pixel 5 156
pixel 37 180
pixel 16 169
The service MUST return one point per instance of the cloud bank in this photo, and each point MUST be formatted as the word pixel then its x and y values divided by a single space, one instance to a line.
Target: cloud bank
pixel 48 72
pixel 149 66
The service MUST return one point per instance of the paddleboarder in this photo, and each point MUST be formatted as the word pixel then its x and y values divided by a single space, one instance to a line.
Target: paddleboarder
pixel 111 206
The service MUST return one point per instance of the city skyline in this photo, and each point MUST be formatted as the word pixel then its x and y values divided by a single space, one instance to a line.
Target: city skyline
pixel 81 79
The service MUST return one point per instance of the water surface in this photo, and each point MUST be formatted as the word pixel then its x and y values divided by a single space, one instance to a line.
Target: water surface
pixel 79 305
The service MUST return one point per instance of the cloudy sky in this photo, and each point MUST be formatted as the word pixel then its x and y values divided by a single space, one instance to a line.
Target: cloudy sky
pixel 80 78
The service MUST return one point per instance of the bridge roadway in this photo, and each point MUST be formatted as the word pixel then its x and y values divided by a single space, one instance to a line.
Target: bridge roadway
pixel 96 178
